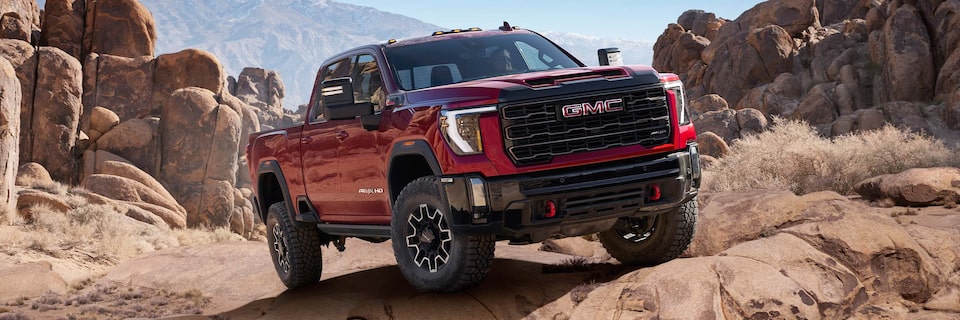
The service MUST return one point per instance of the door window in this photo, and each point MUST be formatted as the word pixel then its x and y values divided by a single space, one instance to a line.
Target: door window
pixel 338 69
pixel 367 83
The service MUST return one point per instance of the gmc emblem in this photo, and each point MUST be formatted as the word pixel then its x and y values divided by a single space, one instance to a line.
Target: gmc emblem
pixel 586 109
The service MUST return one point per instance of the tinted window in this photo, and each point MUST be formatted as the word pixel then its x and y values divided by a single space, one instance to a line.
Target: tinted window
pixel 435 63
pixel 367 82
pixel 337 69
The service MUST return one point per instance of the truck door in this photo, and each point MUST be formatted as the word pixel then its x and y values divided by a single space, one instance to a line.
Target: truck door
pixel 362 152
pixel 319 144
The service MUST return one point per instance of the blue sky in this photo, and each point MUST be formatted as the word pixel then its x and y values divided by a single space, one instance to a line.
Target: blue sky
pixel 625 19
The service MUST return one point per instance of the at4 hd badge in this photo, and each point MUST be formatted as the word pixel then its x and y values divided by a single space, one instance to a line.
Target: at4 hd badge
pixel 587 108
pixel 371 191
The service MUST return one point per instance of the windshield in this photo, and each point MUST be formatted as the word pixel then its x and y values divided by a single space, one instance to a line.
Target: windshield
pixel 438 63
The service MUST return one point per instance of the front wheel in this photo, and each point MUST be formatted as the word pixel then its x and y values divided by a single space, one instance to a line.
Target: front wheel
pixel 295 250
pixel 652 240
pixel 430 255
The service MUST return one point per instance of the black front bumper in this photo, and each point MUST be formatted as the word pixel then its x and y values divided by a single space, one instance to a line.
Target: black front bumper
pixel 587 199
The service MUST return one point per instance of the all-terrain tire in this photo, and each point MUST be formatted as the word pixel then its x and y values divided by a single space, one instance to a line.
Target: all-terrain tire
pixel 430 255
pixel 295 250
pixel 652 240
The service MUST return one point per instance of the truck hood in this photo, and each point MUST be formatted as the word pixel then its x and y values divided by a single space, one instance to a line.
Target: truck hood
pixel 532 85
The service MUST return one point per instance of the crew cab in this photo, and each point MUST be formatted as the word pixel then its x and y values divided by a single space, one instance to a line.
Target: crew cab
pixel 449 142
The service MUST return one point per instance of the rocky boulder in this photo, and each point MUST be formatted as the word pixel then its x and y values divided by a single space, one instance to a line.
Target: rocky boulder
pixel 793 16
pixel 29 280
pixel 134 192
pixel 707 103
pixel 711 144
pixel 264 90
pixel 903 50
pixel 29 202
pixel 63 25
pixel 199 139
pixel 904 114
pixel 679 50
pixel 705 24
pixel 120 84
pixel 753 56
pixel 12 26
pixel 914 187
pixel 184 69
pixel 101 121
pixel 119 27
pixel 23 57
pixel 945 19
pixel 574 246
pixel 778 98
pixel 31 173
pixel 723 123
pixel 949 78
pixel 56 114
pixel 869 119
pixel 9 134
pixel 827 258
pixel 835 11
pixel 751 121
pixel 136 140
pixel 876 247
pixel 19 18
pixel 727 219
pixel 819 107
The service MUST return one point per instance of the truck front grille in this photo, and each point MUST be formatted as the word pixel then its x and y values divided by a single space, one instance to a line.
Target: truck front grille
pixel 537 132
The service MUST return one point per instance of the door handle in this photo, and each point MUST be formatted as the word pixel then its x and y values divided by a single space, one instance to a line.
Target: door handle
pixel 306 140
pixel 342 135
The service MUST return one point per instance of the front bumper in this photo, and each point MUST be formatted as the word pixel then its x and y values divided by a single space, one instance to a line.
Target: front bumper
pixel 582 200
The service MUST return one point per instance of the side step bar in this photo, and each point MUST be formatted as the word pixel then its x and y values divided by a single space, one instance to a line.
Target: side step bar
pixel 351 230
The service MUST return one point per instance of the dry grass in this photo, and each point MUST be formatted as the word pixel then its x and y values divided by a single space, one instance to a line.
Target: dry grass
pixel 791 155
pixel 109 302
pixel 99 233
pixel 191 237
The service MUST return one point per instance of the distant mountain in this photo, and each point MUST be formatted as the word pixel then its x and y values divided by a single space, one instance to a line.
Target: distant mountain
pixel 295 36
pixel 585 47
pixel 290 36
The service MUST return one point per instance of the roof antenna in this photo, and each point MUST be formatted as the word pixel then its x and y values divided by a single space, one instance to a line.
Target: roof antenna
pixel 506 27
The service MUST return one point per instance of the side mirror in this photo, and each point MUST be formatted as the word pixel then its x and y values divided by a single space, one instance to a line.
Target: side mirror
pixel 610 57
pixel 338 102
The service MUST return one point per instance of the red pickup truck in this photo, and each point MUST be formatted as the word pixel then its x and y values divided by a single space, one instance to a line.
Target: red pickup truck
pixel 447 143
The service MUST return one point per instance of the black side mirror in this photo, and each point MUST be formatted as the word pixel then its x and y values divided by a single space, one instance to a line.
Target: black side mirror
pixel 338 102
pixel 610 57
pixel 337 92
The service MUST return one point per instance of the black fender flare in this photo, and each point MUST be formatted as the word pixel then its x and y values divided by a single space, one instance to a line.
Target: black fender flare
pixel 272 166
pixel 411 147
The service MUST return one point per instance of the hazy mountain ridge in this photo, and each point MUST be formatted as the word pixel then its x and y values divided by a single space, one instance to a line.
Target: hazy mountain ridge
pixel 295 36
pixel 585 47
pixel 290 36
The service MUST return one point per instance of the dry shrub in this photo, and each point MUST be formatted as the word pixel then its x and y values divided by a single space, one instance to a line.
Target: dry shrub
pixel 98 230
pixel 791 155
pixel 192 237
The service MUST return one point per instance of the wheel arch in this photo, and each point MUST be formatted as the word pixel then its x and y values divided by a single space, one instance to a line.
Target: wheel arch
pixel 409 161
pixel 271 188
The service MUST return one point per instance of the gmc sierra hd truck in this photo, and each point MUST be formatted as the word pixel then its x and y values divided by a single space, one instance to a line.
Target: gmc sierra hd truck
pixel 447 143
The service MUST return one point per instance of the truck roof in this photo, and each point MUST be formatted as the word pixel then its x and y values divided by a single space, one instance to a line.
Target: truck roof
pixel 451 34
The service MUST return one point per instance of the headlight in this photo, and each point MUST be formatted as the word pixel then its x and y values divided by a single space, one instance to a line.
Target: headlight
pixel 461 129
pixel 679 99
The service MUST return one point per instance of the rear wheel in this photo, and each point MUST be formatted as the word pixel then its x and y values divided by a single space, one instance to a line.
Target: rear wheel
pixel 295 250
pixel 652 240
pixel 430 255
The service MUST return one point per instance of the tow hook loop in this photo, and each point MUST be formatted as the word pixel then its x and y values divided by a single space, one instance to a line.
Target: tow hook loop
pixel 654 193
pixel 550 209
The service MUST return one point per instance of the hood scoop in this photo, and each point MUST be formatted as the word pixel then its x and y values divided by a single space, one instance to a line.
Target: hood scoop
pixel 554 80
